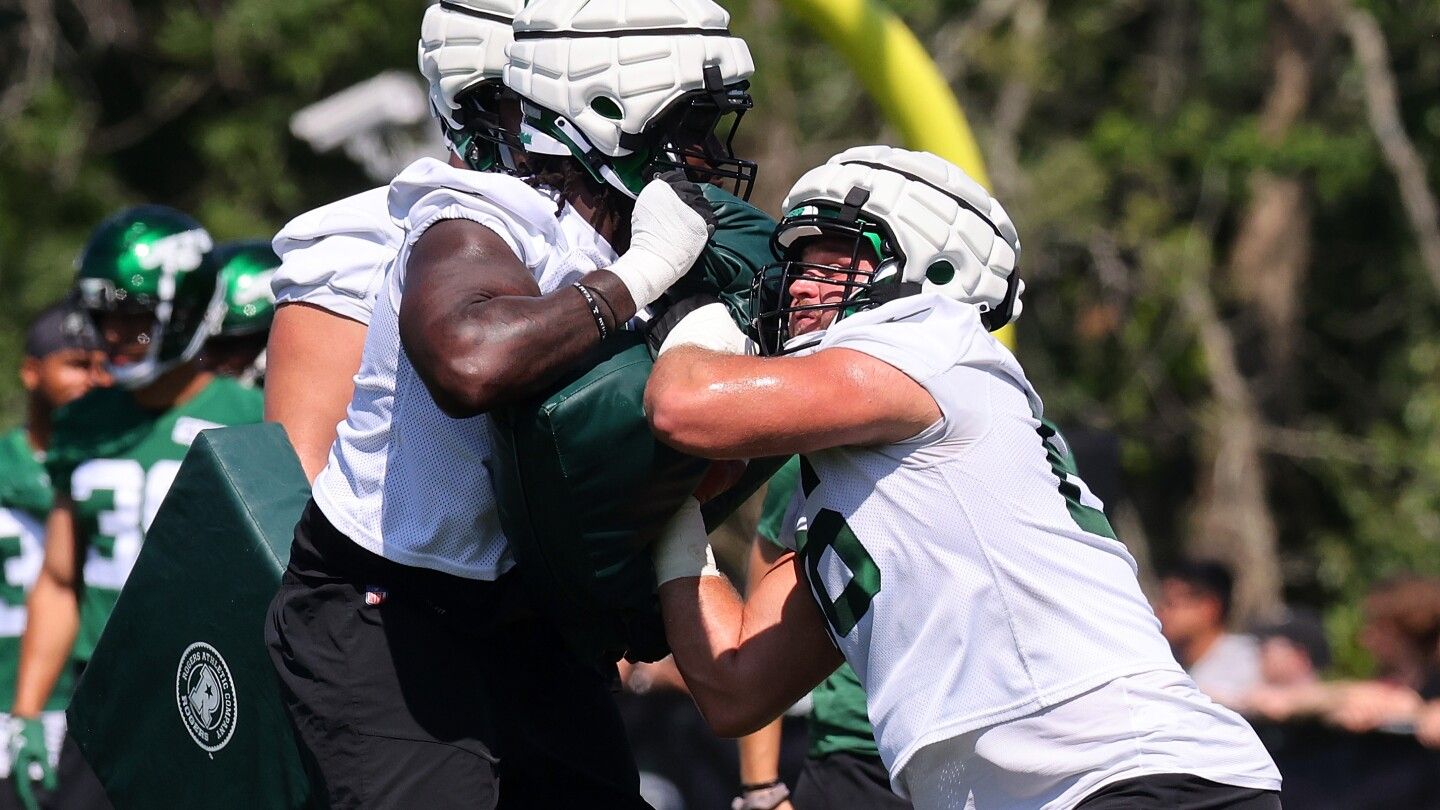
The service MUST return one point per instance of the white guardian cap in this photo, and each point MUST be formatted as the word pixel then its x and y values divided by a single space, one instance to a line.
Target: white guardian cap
pixel 630 88
pixel 462 56
pixel 924 223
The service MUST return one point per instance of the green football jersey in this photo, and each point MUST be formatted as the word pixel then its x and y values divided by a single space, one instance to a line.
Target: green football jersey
pixel 25 500
pixel 839 721
pixel 116 461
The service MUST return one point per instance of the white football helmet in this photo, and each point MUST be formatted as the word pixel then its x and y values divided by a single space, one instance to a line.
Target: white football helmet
pixel 924 223
pixel 462 56
pixel 633 87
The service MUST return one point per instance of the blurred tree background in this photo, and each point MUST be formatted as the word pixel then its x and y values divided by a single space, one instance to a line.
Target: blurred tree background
pixel 1231 242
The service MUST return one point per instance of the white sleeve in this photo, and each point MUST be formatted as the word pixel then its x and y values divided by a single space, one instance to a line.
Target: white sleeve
pixel 335 256
pixel 931 339
pixel 429 191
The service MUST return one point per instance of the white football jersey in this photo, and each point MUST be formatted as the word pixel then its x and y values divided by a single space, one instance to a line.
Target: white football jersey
pixel 1138 725
pixel 404 480
pixel 334 256
pixel 967 574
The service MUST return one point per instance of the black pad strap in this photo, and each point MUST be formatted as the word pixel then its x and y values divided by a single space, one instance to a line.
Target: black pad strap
pixel 855 199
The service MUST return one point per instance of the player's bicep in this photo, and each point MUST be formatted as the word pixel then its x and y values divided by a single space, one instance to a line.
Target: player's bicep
pixel 454 265
pixel 62 553
pixel 453 269
pixel 838 397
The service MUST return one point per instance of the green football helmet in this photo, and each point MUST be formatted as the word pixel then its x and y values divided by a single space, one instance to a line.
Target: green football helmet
pixel 246 268
pixel 153 260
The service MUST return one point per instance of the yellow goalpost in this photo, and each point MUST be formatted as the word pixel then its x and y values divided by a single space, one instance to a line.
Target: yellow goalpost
pixel 902 79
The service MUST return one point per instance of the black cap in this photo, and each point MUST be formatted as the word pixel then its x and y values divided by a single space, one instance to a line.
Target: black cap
pixel 1303 629
pixel 60 326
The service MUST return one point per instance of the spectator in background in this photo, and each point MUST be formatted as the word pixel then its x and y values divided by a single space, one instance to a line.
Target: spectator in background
pixel 62 362
pixel 1427 724
pixel 1293 653
pixel 1194 607
pixel 1401 631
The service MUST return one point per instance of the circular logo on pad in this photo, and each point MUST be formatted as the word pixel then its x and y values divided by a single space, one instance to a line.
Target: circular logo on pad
pixel 205 694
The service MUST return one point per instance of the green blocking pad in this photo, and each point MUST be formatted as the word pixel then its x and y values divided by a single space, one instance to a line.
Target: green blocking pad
pixel 584 488
pixel 179 707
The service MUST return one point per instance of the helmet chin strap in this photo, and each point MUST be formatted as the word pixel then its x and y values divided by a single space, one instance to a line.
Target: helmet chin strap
pixel 999 316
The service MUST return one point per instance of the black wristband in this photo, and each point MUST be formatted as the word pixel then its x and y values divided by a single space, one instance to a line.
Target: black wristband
pixel 609 307
pixel 746 788
pixel 594 310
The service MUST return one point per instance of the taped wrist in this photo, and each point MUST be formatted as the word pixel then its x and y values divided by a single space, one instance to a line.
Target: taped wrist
pixel 667 235
pixel 645 275
pixel 683 549
pixel 709 327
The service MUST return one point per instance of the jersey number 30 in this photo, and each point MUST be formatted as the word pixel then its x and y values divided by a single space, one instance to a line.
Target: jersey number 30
pixel 829 530
pixel 135 496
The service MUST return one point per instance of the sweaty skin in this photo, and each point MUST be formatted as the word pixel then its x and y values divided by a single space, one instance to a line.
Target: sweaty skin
pixel 725 406
pixel 747 662
pixel 483 339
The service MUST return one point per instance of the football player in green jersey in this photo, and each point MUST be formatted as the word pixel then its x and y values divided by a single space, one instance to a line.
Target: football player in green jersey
pixel 62 362
pixel 238 347
pixel 148 280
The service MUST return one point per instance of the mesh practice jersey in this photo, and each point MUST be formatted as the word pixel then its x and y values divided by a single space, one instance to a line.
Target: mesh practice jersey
pixel 967 574
pixel 334 256
pixel 404 480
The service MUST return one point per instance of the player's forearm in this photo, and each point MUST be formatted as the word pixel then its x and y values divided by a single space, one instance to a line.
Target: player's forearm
pixel 311 361
pixel 745 663
pixel 495 351
pixel 722 406
pixel 52 624
pixel 760 754
pixel 703 626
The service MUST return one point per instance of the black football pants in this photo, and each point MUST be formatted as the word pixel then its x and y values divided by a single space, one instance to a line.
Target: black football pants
pixel 1177 791
pixel 844 781
pixel 410 688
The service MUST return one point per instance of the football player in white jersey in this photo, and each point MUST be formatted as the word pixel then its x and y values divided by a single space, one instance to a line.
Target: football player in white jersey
pixel 394 631
pixel 958 562
pixel 334 256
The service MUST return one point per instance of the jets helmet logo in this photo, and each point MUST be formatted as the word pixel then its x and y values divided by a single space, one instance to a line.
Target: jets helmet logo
pixel 179 253
pixel 205 695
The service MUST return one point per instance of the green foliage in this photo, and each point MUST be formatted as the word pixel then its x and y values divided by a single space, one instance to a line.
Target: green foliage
pixel 1142 138
pixel 189 106
pixel 1140 134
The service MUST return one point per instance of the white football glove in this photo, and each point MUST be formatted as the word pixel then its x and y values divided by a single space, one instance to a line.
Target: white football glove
pixel 709 327
pixel 669 228
pixel 683 549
